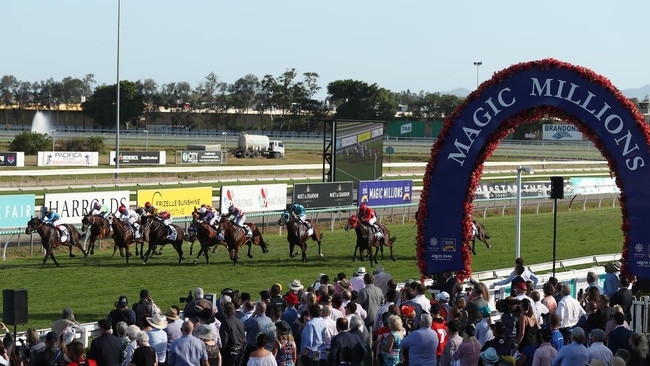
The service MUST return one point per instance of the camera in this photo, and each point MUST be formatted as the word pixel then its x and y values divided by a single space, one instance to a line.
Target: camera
pixel 186 299
pixel 508 305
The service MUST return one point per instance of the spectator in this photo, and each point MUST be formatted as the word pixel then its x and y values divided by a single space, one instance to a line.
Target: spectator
pixel 638 350
pixel 197 303
pixel 421 344
pixel 253 326
pixel 611 324
pixel 51 355
pixel 370 298
pixel 549 300
pixel 545 353
pixel 121 332
pixel 106 349
pixel 439 325
pixel 208 335
pixel 592 281
pixel 618 361
pixel 122 312
pixel 539 309
pixel 443 299
pixel 619 337
pixel 261 356
pixel 174 323
pixel 574 353
pixel 276 296
pixel 519 274
pixel 611 278
pixel 557 338
pixel 622 353
pixel 453 341
pixel 489 357
pixel 284 347
pixel 154 326
pixel 502 345
pixel 132 332
pixel 144 355
pixel 598 350
pixel 527 353
pixel 528 325
pixel 357 328
pixel 421 297
pixel 233 337
pixel 34 343
pixel 188 350
pixel 330 326
pixel 290 314
pixel 568 309
pixel 76 353
pixel 143 308
pixel 449 282
pixel 382 278
pixel 357 280
pixel 67 320
pixel 483 331
pixel 346 341
pixel 312 344
pixel 391 346
pixel 623 297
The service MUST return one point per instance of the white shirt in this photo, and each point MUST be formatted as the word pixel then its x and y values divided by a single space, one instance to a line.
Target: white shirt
pixel 424 302
pixel 528 275
pixel 569 311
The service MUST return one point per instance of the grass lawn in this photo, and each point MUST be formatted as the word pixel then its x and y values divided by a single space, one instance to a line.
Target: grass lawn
pixel 91 285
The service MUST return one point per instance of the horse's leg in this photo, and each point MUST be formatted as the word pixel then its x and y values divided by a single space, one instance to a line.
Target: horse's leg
pixel 292 246
pixel 72 255
pixel 474 246
pixel 320 252
pixel 303 247
pixel 250 244
pixel 354 256
pixel 178 245
pixel 373 258
pixel 486 243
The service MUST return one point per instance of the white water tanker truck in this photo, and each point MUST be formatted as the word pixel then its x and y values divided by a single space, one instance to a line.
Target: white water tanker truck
pixel 255 146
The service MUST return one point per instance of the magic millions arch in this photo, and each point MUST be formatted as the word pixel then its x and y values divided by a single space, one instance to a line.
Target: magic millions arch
pixel 523 93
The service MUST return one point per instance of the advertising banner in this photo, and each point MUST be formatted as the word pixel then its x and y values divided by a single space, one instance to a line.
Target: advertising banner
pixel 487 190
pixel 12 158
pixel 384 192
pixel 594 185
pixel 67 158
pixel 139 158
pixel 201 157
pixel 254 198
pixel 178 201
pixel 16 210
pixel 74 206
pixel 323 195
pixel 561 132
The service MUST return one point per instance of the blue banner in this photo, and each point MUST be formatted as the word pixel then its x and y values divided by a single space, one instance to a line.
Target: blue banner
pixel 384 192
pixel 16 210
pixel 587 99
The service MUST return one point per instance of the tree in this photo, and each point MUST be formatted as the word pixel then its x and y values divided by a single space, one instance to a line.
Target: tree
pixel 243 91
pixel 101 106
pixel 31 142
pixel 358 100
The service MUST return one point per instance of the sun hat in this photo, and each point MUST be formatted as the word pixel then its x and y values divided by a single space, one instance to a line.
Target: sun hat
pixel 206 331
pixel 291 298
pixel 612 266
pixel 361 271
pixel 295 285
pixel 157 321
pixel 490 355
pixel 345 283
pixel 171 314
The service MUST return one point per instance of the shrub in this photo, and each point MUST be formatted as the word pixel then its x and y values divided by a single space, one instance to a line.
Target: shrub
pixel 31 142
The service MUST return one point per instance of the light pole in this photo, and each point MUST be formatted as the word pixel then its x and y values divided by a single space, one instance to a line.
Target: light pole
pixel 117 104
pixel 146 139
pixel 477 64
pixel 529 170
pixel 224 134
pixel 53 138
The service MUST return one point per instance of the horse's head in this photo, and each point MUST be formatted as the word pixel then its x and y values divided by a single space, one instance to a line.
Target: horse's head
pixel 85 222
pixel 195 214
pixel 284 218
pixel 353 221
pixel 32 225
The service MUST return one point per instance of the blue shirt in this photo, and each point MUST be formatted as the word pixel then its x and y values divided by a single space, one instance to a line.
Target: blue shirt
pixel 611 284
pixel 421 345
pixel 254 326
pixel 312 337
pixel 571 355
pixel 53 216
pixel 557 339
pixel 187 351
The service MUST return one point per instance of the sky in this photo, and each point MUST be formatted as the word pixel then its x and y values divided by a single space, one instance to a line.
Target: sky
pixel 418 45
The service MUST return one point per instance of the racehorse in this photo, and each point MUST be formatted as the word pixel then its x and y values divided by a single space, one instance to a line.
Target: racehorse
pixel 235 237
pixel 50 238
pixel 123 236
pixel 297 234
pixel 154 232
pixel 367 239
pixel 206 234
pixel 480 234
pixel 100 229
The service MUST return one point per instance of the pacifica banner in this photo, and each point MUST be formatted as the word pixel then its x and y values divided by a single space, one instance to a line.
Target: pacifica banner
pixel 177 201
pixel 74 206
pixel 12 158
pixel 16 210
pixel 139 158
pixel 67 158
pixel 254 198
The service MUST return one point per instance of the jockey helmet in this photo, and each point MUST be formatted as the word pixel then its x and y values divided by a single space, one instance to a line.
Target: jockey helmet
pixel 165 215
pixel 202 210
pixel 122 209
pixel 97 205
pixel 147 205
pixel 363 207
pixel 45 209
pixel 231 210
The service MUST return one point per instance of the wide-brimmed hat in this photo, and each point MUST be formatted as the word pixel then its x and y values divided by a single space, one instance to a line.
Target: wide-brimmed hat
pixel 283 327
pixel 344 283
pixel 296 285
pixel 206 331
pixel 490 355
pixel 613 266
pixel 157 321
pixel 361 271
pixel 291 298
pixel 171 314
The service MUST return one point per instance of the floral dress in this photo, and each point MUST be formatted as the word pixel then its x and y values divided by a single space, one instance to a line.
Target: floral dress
pixel 394 356
pixel 285 354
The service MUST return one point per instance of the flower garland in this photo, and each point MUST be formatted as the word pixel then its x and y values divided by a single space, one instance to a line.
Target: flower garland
pixel 492 142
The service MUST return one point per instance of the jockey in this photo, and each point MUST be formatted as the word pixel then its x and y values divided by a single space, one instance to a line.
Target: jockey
pixel 150 209
pixel 166 218
pixel 101 210
pixel 130 216
pixel 238 218
pixel 207 214
pixel 53 219
pixel 368 217
pixel 299 210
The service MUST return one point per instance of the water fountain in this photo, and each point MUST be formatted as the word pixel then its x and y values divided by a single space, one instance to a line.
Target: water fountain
pixel 41 123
